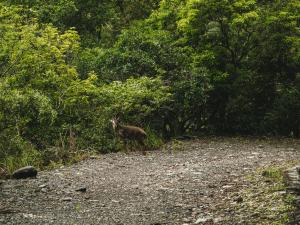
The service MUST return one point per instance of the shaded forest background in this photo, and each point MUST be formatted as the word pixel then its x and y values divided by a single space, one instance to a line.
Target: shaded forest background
pixel 173 67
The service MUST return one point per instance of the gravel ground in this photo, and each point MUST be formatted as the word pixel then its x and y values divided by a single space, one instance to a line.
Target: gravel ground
pixel 169 186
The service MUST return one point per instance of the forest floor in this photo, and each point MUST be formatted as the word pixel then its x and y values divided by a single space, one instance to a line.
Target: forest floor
pixel 201 181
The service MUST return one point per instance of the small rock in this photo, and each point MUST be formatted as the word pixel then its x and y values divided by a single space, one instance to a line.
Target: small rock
pixel 227 186
pixel 186 220
pixel 25 172
pixel 281 192
pixel 6 210
pixel 218 220
pixel 81 189
pixel 203 220
pixel 298 169
pixel 67 199
pixel 28 215
pixel 255 215
pixel 94 200
pixel 239 199
pixel 255 153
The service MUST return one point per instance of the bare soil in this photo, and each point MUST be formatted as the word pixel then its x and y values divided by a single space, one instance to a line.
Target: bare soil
pixel 192 182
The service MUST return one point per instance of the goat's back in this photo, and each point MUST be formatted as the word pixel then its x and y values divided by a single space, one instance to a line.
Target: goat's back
pixel 132 132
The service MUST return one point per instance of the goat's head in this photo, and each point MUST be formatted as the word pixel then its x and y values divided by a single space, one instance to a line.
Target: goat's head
pixel 114 122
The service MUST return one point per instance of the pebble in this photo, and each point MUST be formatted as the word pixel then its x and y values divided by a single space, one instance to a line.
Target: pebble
pixel 186 220
pixel 227 186
pixel 239 199
pixel 218 220
pixel 67 199
pixel 43 186
pixel 203 220
pixel 81 189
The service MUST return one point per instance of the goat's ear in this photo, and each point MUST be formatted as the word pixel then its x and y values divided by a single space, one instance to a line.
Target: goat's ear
pixel 117 116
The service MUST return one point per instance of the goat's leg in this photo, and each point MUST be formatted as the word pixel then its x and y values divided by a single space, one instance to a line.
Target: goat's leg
pixel 126 146
pixel 142 146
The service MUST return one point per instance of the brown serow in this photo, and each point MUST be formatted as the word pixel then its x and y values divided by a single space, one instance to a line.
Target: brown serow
pixel 126 133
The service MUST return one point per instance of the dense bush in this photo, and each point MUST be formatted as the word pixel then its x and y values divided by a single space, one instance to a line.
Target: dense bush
pixel 48 112
pixel 88 107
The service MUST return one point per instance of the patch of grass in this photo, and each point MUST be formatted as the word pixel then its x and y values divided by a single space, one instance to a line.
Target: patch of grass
pixel 49 159
pixel 153 141
pixel 274 174
pixel 66 154
pixel 62 157
pixel 173 146
pixel 29 156
pixel 265 201
pixel 77 207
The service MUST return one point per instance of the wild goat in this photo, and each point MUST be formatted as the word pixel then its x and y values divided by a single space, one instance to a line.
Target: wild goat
pixel 127 133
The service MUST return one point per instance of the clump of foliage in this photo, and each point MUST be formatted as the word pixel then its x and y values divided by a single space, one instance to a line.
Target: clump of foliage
pixel 46 108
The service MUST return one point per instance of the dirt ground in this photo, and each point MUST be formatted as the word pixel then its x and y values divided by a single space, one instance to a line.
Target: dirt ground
pixel 183 183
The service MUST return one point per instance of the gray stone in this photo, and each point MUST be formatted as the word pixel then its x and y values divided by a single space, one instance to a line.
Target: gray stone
pixel 203 220
pixel 292 180
pixel 67 199
pixel 43 186
pixel 25 172
pixel 218 220
pixel 298 169
pixel 81 189
pixel 239 199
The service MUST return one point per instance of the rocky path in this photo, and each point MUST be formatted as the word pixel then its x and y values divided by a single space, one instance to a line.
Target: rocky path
pixel 187 186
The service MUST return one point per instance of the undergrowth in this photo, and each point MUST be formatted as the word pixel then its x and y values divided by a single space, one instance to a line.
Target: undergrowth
pixel 266 201
pixel 66 154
